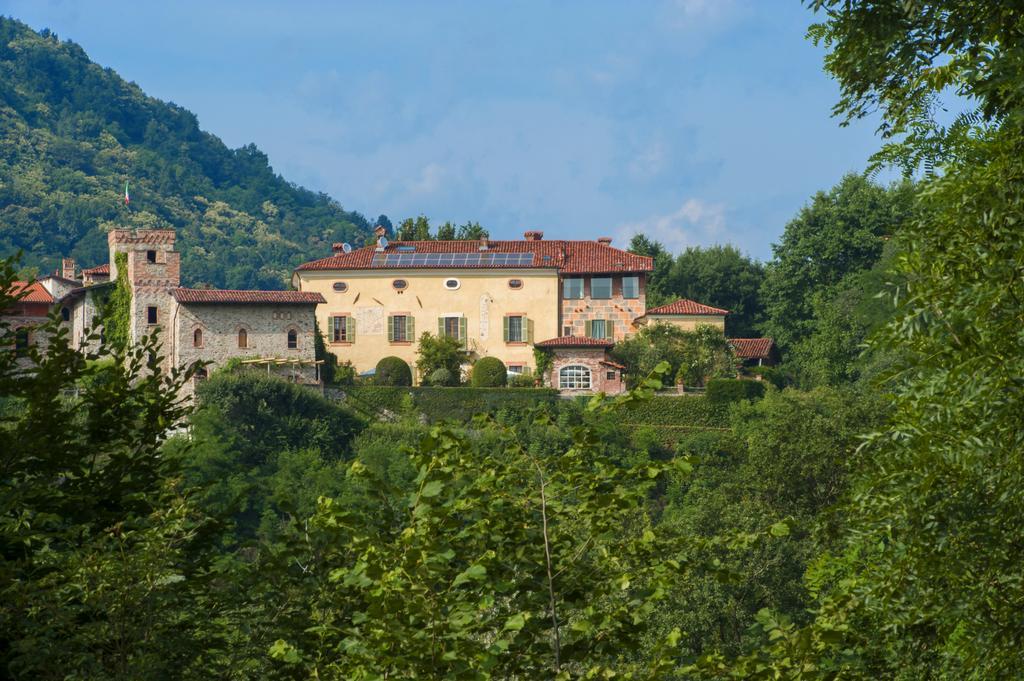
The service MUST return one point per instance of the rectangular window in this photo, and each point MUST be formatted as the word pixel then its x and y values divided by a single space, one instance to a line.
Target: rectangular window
pixel 516 369
pixel 610 375
pixel 451 327
pixel 566 331
pixel 151 314
pixel 339 330
pixel 631 287
pixel 514 329
pixel 572 288
pixel 599 328
pixel 601 287
pixel 151 256
pixel 397 329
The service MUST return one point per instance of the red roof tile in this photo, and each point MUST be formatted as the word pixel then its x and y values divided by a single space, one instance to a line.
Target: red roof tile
pixel 684 306
pixel 752 348
pixel 99 269
pixel 575 342
pixel 215 296
pixel 614 365
pixel 30 292
pixel 565 256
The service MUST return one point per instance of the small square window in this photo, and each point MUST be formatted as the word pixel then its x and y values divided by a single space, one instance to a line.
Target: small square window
pixel 610 376
pixel 631 287
pixel 566 331
pixel 151 314
pixel 151 256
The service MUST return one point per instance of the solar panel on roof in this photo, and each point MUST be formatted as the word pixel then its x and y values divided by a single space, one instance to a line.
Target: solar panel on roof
pixel 407 259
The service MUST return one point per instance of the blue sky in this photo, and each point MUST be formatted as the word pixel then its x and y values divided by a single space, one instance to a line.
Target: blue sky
pixel 693 121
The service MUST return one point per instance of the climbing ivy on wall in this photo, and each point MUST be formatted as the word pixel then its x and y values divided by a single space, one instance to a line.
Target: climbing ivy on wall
pixel 117 310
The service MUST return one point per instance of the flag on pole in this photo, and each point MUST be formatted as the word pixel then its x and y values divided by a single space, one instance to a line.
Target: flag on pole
pixel 127 199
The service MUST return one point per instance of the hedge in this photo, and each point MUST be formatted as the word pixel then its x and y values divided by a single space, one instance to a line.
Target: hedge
pixel 676 412
pixel 438 403
pixel 726 390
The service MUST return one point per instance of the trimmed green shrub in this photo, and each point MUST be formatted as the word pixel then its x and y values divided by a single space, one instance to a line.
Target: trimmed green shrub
pixel 440 376
pixel 441 403
pixel 675 412
pixel 725 390
pixel 489 372
pixel 521 381
pixel 393 371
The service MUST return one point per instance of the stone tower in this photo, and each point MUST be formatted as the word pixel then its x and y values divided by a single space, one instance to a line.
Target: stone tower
pixel 153 269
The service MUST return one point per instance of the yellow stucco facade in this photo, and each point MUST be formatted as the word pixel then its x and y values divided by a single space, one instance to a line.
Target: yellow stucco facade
pixel 474 303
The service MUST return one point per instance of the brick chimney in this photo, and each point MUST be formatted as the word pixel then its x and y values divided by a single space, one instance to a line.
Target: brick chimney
pixel 533 235
pixel 67 268
pixel 604 240
pixel 485 243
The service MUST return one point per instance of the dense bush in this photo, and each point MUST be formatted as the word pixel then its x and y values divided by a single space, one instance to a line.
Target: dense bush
pixel 521 381
pixel 697 412
pixel 489 372
pixel 725 390
pixel 439 403
pixel 441 352
pixel 774 375
pixel 439 376
pixel 393 371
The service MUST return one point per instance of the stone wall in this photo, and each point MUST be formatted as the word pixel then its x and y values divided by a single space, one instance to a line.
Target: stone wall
pixel 591 358
pixel 620 311
pixel 266 328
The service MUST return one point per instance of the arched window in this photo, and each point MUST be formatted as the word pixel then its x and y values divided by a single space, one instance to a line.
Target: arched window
pixel 22 338
pixel 197 338
pixel 293 339
pixel 574 377
pixel 65 314
pixel 243 338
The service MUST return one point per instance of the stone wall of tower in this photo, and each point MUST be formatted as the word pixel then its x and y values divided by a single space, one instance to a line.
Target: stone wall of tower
pixel 154 268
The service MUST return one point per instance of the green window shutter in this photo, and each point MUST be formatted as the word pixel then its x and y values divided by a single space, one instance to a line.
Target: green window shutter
pixel 391 329
pixel 529 329
pixel 504 328
pixel 440 327
pixel 463 330
pixel 410 328
pixel 350 329
pixel 589 326
pixel 609 329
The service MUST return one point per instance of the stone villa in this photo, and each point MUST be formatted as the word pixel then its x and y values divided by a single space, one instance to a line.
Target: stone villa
pixel 498 298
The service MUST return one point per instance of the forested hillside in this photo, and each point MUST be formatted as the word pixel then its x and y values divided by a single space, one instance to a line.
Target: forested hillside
pixel 72 133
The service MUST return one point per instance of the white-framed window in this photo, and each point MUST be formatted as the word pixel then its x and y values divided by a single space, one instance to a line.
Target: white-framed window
pixel 452 284
pixel 340 286
pixel 600 288
pixel 574 377
pixel 572 288
pixel 515 330
pixel 631 287
pixel 516 369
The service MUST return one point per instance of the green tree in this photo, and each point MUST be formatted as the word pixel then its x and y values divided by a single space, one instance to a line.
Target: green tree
pixel 928 579
pixel 446 232
pixel 723 277
pixel 692 356
pixel 99 544
pixel 441 352
pixel 841 232
pixel 657 279
pixel 471 231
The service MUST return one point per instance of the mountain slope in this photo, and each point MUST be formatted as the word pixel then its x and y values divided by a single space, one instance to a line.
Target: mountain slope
pixel 72 133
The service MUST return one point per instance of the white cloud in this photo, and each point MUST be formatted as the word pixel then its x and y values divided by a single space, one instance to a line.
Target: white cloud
pixel 695 223
pixel 429 181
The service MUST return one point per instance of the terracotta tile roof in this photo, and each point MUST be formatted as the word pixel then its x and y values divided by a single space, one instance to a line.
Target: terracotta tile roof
pixel 565 256
pixel 99 269
pixel 30 292
pixel 614 365
pixel 575 342
pixel 215 296
pixel 752 348
pixel 684 306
